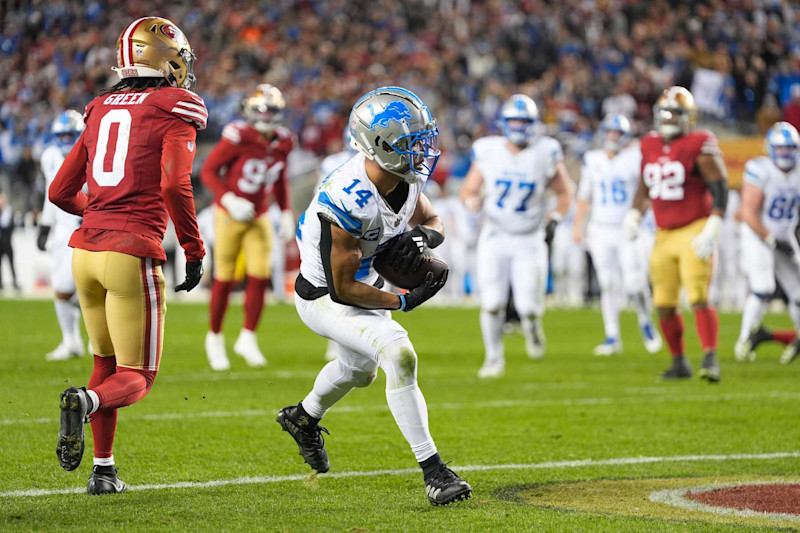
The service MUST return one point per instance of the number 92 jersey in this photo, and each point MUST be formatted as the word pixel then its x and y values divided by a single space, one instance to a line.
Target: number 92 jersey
pixel 348 199
pixel 780 212
pixel 256 166
pixel 669 170
pixel 515 183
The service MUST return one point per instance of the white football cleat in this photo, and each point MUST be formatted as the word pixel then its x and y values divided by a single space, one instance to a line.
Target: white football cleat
pixel 608 348
pixel 247 347
pixel 742 351
pixel 651 338
pixel 535 341
pixel 63 353
pixel 331 353
pixel 492 369
pixel 215 351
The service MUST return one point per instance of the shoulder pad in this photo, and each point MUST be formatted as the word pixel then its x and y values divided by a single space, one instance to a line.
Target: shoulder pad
pixel 181 103
pixel 348 210
pixel 234 132
pixel 706 141
pixel 756 171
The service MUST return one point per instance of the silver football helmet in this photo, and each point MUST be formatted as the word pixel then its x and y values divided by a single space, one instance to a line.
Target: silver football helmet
pixel 518 117
pixel 394 128
pixel 66 129
pixel 782 145
pixel 615 122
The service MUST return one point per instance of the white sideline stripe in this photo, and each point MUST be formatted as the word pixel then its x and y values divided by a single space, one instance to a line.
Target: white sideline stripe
pixel 567 402
pixel 678 498
pixel 616 461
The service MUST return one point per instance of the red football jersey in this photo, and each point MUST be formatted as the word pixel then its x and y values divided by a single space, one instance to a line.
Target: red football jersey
pixel 678 192
pixel 256 166
pixel 136 155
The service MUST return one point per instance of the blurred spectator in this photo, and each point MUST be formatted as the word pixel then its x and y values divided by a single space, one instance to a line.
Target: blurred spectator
pixel 6 229
pixel 768 114
pixel 791 110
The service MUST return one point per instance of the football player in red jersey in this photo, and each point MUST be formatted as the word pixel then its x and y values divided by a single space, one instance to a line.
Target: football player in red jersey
pixel 136 156
pixel 244 171
pixel 684 177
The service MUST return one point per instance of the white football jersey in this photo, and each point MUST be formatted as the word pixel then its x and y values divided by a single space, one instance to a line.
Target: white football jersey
pixel 334 161
pixel 515 184
pixel 52 158
pixel 350 200
pixel 609 184
pixel 780 211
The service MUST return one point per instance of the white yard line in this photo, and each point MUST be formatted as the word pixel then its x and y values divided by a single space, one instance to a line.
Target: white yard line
pixel 678 498
pixel 549 465
pixel 566 402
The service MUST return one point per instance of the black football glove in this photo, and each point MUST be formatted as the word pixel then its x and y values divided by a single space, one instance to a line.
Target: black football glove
pixel 41 239
pixel 784 247
pixel 550 231
pixel 405 253
pixel 419 295
pixel 194 273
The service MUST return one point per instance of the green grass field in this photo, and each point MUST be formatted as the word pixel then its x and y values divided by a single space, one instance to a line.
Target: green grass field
pixel 531 428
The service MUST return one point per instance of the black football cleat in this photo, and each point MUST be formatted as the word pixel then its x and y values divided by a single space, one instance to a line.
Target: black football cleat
pixel 71 438
pixel 444 487
pixel 105 481
pixel 709 370
pixel 309 441
pixel 791 352
pixel 680 369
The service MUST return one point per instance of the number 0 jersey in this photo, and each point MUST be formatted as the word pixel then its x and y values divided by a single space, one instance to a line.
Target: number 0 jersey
pixel 609 184
pixel 677 190
pixel 349 199
pixel 781 208
pixel 515 183
pixel 256 166
pixel 136 156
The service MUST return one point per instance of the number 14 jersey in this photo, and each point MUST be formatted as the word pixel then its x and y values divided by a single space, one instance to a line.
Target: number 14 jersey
pixel 678 192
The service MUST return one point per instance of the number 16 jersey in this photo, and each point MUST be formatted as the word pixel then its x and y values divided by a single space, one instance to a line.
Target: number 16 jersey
pixel 515 184
pixel 678 192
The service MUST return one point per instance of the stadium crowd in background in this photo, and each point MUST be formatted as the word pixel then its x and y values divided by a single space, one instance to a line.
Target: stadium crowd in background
pixel 577 59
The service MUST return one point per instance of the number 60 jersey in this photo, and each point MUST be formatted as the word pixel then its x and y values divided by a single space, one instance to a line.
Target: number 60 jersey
pixel 678 192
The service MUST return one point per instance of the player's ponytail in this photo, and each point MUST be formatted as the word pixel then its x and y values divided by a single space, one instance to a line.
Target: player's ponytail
pixel 134 84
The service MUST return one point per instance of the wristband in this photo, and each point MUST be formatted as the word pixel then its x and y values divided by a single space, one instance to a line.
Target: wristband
pixel 402 302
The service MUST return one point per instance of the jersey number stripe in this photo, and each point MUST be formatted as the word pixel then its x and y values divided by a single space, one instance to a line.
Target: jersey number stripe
pixel 112 154
pixel 665 181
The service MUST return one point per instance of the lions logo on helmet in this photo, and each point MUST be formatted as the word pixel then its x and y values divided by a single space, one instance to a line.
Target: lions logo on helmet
pixel 263 108
pixel 782 142
pixel 614 122
pixel 66 129
pixel 393 127
pixel 518 118
pixel 674 113
pixel 154 47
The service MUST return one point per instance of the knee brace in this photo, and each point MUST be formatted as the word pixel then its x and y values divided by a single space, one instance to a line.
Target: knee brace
pixel 399 361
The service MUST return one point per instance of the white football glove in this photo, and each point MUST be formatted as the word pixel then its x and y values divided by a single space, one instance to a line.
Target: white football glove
pixel 631 223
pixel 240 209
pixel 286 227
pixel 706 241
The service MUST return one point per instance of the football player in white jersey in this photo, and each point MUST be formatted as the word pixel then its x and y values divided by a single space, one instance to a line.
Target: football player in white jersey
pixel 609 179
pixel 770 205
pixel 366 206
pixel 55 228
pixel 509 176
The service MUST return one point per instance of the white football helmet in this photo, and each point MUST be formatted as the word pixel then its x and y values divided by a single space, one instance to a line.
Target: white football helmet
pixel 518 117
pixel 782 142
pixel 393 127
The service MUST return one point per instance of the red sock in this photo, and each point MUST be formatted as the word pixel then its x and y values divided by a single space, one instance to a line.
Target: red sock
pixel 672 329
pixel 220 294
pixel 104 421
pixel 784 336
pixel 125 387
pixel 707 324
pixel 254 301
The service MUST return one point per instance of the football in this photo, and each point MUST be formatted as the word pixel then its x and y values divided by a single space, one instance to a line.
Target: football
pixel 431 262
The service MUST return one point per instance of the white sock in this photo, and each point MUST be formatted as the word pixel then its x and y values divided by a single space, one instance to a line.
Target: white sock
pixel 644 309
pixel 753 313
pixel 77 338
pixel 529 325
pixel 68 320
pixel 104 461
pixel 794 312
pixel 411 415
pixel 332 384
pixel 95 400
pixel 610 311
pixel 492 330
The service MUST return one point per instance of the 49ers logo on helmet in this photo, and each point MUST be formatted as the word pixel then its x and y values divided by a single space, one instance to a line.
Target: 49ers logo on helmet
pixel 173 33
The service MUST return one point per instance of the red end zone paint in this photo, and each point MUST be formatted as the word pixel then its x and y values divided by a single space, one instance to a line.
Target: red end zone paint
pixel 770 498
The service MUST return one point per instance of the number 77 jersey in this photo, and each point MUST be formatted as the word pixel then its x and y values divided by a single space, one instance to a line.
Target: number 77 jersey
pixel 678 192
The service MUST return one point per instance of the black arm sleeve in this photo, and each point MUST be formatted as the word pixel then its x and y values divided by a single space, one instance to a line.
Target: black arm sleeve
pixel 325 241
pixel 719 191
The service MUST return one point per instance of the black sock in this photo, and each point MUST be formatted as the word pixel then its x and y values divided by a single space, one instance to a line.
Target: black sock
pixel 305 420
pixel 430 465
